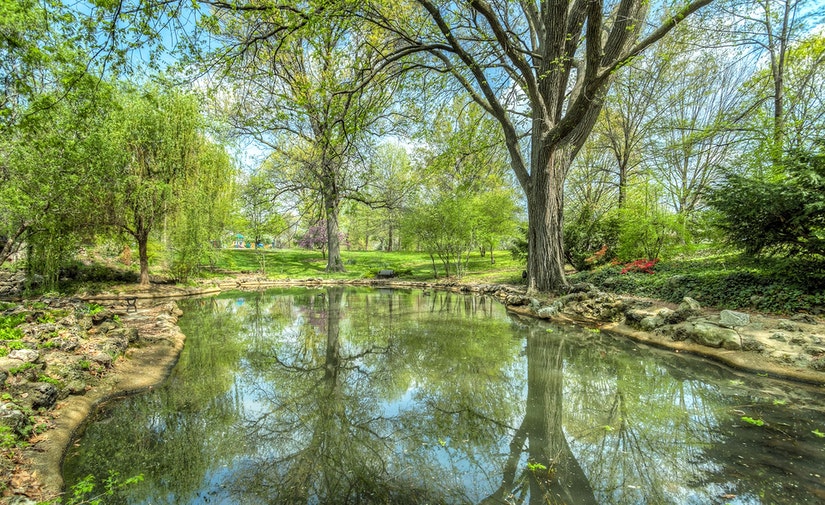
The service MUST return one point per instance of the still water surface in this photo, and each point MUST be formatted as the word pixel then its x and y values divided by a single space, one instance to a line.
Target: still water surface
pixel 336 395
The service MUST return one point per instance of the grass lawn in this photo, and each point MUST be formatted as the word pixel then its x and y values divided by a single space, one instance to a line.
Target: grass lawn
pixel 302 263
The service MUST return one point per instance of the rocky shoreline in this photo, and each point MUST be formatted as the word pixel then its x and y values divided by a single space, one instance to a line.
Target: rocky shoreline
pixel 73 354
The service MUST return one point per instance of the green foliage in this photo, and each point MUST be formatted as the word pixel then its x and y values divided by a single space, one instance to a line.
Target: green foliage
pixel 752 421
pixel 445 230
pixel 50 380
pixel 647 229
pixel 22 368
pixel 8 440
pixel 205 202
pixel 94 308
pixel 87 492
pixel 782 214
pixel 519 245
pixel 586 232
pixel 729 281
pixel 10 334
pixel 13 320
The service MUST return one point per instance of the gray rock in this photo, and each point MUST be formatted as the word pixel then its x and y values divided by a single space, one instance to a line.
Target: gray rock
pixel 804 318
pixel 732 319
pixel 103 315
pixel 634 316
pixel 815 350
pixel 752 344
pixel 85 322
pixel 11 416
pixel 786 325
pixel 67 344
pixel 514 300
pixel 42 394
pixel 25 355
pixel 106 327
pixel 128 334
pixel 689 303
pixel 102 358
pixel 650 323
pixel 680 332
pixel 798 340
pixel 711 335
pixel 548 311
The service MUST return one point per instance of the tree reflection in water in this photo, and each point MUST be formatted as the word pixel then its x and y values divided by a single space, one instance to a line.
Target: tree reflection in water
pixel 358 396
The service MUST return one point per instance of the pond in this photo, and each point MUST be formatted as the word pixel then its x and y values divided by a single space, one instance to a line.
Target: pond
pixel 335 395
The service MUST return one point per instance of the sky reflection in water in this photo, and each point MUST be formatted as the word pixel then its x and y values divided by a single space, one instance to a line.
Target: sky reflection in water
pixel 336 395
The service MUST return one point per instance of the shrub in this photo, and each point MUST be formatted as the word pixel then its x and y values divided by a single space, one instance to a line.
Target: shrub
pixel 590 237
pixel 783 213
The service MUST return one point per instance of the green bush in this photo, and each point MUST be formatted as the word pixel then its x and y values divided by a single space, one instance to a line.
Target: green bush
pixel 732 282
pixel 588 232
pixel 782 213
pixel 10 334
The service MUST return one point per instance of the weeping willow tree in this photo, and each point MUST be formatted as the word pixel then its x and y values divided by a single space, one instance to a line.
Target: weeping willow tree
pixel 168 171
pixel 204 208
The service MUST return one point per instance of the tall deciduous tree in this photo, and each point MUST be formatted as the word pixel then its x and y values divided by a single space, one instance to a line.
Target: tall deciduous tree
pixel 309 86
pixel 541 69
pixel 50 108
pixel 772 28
pixel 205 199
pixel 160 137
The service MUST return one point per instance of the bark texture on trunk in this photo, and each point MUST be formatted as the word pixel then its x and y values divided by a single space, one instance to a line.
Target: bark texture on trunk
pixel 545 204
pixel 334 262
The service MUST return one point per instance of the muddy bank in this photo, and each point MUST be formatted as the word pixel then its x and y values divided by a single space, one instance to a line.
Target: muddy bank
pixel 68 367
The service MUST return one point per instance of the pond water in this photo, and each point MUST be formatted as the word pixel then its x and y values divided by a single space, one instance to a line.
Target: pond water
pixel 336 395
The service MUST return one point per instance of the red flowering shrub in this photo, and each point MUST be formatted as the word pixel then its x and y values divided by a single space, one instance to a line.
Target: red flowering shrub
pixel 643 265
pixel 597 257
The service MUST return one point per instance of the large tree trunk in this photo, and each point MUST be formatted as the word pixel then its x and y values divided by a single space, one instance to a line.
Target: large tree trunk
pixel 334 263
pixel 545 204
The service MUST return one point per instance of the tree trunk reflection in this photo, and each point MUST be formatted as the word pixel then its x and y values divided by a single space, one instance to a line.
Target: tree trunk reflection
pixel 553 475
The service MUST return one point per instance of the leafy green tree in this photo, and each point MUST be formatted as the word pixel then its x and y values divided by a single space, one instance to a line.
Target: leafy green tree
pixel 392 180
pixel 466 200
pixel 259 208
pixel 444 228
pixel 780 214
pixel 160 134
pixel 541 70
pixel 205 206
pixel 51 106
pixel 52 161
pixel 311 87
